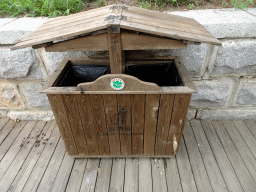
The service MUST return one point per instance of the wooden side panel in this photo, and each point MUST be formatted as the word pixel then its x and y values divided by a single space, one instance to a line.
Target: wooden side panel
pixel 84 108
pixel 63 124
pixel 124 123
pixel 110 104
pixel 97 107
pixel 138 119
pixel 151 115
pixel 75 123
pixel 179 113
pixel 163 125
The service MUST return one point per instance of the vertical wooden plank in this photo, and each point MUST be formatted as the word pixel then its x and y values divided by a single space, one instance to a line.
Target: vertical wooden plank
pixel 63 124
pixel 117 175
pixel 90 175
pixel 115 52
pixel 196 162
pixel 138 114
pixel 181 103
pixel 186 174
pixel 74 119
pixel 145 176
pixel 76 176
pixel 110 104
pixel 104 175
pixel 151 115
pixel 164 120
pixel 84 108
pixel 124 123
pixel 235 159
pixel 213 170
pixel 158 175
pixel 131 175
pixel 226 168
pixel 97 107
pixel 172 175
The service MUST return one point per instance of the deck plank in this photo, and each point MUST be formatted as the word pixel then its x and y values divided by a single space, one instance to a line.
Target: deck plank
pixel 226 168
pixel 131 182
pixel 251 124
pixel 4 132
pixel 197 165
pixel 212 168
pixel 158 175
pixel 76 176
pixel 3 122
pixel 145 177
pixel 235 159
pixel 117 175
pixel 172 175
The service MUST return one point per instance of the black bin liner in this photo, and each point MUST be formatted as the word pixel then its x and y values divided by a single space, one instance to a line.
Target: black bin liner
pixel 163 74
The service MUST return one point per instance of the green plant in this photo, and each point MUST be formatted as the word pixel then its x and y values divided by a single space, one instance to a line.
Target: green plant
pixel 239 4
pixel 191 6
pixel 100 3
pixel 32 8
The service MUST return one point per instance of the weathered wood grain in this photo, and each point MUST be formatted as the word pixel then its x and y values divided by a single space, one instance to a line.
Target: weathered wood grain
pixel 117 175
pixel 4 132
pixel 145 176
pixel 158 175
pixel 131 175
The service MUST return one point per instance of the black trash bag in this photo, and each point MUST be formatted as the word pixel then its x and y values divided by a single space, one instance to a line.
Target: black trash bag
pixel 163 74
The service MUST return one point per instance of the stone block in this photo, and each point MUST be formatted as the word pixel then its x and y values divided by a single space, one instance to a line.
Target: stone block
pixel 246 94
pixel 31 93
pixel 251 11
pixel 235 57
pixel 4 21
pixel 17 64
pixel 213 93
pixel 31 115
pixel 225 114
pixel 53 59
pixel 193 57
pixel 191 114
pixel 9 96
pixel 12 32
pixel 223 23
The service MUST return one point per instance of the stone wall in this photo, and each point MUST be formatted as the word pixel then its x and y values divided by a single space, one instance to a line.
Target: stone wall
pixel 224 76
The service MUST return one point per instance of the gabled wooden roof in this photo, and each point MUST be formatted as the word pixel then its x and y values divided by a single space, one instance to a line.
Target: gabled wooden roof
pixel 127 17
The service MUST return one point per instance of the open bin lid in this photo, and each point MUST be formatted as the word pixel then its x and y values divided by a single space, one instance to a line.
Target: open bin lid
pixel 88 30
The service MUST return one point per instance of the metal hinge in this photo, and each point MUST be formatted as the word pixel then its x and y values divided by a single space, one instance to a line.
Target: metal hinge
pixel 119 7
pixel 114 16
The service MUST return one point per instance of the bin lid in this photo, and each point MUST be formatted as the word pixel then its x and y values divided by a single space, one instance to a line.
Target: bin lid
pixel 121 16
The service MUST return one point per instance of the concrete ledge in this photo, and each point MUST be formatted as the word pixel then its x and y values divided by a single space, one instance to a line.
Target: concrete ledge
pixel 31 115
pixel 222 114
pixel 4 21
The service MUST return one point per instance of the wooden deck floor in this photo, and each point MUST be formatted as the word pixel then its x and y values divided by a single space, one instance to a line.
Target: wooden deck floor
pixel 214 156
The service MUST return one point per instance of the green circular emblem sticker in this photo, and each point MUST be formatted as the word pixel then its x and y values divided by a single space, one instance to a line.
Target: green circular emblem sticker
pixel 117 84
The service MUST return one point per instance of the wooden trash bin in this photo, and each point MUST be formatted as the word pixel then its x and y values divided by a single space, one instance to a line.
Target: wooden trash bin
pixel 122 114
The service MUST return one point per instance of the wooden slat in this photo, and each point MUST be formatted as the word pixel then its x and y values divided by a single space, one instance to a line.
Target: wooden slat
pixel 17 163
pixel 90 175
pixel 251 124
pixel 52 169
pixel 151 115
pixel 158 175
pixel 131 175
pixel 4 147
pixel 4 132
pixel 212 168
pixel 186 174
pixel 83 104
pixel 76 126
pixel 89 43
pixel 60 115
pixel 97 108
pixel 16 146
pixel 226 168
pixel 145 177
pixel 241 147
pixel 104 175
pixel 77 173
pixel 31 182
pixel 196 162
pixel 163 124
pixel 124 123
pixel 110 104
pixel 28 165
pixel 3 122
pixel 172 175
pixel 138 113
pixel 235 159
pixel 181 103
pixel 142 42
pixel 247 135
pixel 117 175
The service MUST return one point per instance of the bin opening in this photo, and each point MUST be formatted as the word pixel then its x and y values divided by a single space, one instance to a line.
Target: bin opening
pixel 163 74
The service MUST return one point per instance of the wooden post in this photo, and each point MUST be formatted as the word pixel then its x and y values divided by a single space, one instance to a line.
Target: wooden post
pixel 115 49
